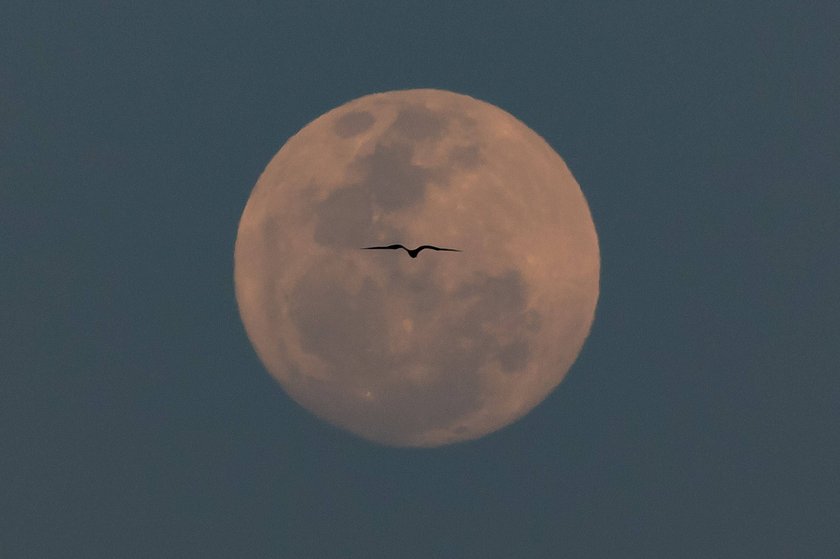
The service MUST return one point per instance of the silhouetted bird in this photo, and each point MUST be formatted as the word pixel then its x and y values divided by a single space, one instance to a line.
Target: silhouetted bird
pixel 411 253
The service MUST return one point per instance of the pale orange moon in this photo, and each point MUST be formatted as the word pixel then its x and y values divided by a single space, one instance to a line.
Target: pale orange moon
pixel 425 351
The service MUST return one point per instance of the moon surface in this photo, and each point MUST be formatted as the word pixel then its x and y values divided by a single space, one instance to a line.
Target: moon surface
pixel 425 351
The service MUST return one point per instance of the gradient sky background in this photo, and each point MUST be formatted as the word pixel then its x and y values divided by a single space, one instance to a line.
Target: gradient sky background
pixel 701 419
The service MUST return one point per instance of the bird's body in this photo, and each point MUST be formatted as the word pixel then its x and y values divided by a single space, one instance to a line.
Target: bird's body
pixel 412 252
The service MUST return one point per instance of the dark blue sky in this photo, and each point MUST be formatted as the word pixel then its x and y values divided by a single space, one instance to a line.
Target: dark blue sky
pixel 699 421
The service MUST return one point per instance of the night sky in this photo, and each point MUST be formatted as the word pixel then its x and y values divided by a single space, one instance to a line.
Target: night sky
pixel 700 420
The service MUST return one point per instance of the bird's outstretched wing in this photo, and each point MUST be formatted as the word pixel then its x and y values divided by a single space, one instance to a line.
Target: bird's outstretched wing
pixel 418 249
pixel 392 247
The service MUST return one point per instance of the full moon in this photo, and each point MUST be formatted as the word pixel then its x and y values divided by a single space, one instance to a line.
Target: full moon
pixel 432 350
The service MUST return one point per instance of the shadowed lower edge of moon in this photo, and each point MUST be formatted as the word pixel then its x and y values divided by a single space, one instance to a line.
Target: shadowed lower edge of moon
pixel 367 387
